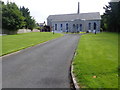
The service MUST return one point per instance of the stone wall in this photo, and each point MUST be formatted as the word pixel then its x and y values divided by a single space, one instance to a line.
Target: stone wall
pixel 3 31
pixel 27 30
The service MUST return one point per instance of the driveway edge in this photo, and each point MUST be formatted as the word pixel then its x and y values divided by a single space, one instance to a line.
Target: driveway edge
pixel 74 79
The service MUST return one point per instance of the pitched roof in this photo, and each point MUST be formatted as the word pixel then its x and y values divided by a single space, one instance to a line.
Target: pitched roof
pixel 69 17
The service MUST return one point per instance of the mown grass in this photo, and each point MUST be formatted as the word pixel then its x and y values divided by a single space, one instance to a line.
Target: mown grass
pixel 96 61
pixel 12 43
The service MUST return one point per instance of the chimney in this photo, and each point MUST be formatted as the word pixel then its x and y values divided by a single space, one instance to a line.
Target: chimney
pixel 78 9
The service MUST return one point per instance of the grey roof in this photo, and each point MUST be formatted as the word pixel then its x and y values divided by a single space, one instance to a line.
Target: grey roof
pixel 69 17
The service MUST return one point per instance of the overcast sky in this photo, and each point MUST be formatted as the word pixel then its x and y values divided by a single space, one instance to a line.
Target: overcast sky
pixel 41 9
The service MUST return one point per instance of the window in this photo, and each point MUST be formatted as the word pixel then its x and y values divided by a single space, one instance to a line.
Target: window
pixel 80 27
pixel 73 25
pixel 95 26
pixel 77 26
pixel 67 26
pixel 55 26
pixel 89 26
pixel 61 26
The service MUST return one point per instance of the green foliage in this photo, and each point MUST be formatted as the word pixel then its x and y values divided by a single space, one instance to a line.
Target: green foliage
pixel 38 28
pixel 111 17
pixel 96 61
pixel 12 43
pixel 12 18
pixel 29 21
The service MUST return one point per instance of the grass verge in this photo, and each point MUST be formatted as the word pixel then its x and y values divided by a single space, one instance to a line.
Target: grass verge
pixel 96 61
pixel 12 43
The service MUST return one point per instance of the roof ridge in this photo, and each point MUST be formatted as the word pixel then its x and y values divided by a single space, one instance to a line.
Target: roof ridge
pixel 73 14
pixel 68 17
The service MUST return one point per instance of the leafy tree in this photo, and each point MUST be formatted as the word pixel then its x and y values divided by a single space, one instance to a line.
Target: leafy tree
pixel 29 21
pixel 12 18
pixel 32 24
pixel 111 17
pixel 104 22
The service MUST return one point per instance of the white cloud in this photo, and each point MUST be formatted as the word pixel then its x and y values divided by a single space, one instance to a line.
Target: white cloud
pixel 41 9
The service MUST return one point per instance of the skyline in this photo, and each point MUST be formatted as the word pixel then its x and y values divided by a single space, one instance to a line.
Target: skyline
pixel 41 9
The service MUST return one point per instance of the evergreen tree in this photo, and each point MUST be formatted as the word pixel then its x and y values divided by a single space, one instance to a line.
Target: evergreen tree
pixel 111 17
pixel 29 21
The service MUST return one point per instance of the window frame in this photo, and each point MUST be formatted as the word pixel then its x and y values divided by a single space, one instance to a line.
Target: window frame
pixel 66 26
pixel 55 26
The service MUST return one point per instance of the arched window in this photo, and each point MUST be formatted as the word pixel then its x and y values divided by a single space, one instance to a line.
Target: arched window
pixel 73 25
pixel 61 25
pixel 77 26
pixel 80 27
pixel 55 26
pixel 89 26
pixel 95 25
pixel 66 26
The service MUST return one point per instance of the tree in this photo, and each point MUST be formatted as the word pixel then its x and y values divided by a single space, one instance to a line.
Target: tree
pixel 111 17
pixel 12 18
pixel 29 21
pixel 32 24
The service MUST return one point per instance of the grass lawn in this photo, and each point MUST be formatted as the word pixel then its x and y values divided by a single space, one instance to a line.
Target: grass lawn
pixel 96 61
pixel 12 43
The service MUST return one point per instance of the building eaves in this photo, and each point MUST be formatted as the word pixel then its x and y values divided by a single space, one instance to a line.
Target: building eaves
pixel 69 17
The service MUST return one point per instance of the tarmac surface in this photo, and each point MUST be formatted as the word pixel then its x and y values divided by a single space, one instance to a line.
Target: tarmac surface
pixel 42 66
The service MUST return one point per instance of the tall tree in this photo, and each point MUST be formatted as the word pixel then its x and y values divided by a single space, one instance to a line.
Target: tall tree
pixel 12 18
pixel 29 21
pixel 111 17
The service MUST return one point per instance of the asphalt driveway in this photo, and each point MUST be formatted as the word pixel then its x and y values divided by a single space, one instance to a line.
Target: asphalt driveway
pixel 43 66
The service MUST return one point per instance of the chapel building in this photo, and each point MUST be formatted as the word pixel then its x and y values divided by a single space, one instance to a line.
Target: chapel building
pixel 78 22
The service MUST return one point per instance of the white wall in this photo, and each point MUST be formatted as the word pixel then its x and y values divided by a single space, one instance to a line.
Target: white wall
pixel 92 25
pixel 27 30
pixel 77 22
pixel 63 29
pixel 85 25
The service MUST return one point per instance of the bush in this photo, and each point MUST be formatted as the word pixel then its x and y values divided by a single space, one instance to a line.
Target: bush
pixel 87 31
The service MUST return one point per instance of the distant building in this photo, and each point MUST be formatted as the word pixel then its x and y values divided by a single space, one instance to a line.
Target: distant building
pixel 42 24
pixel 44 27
pixel 78 22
